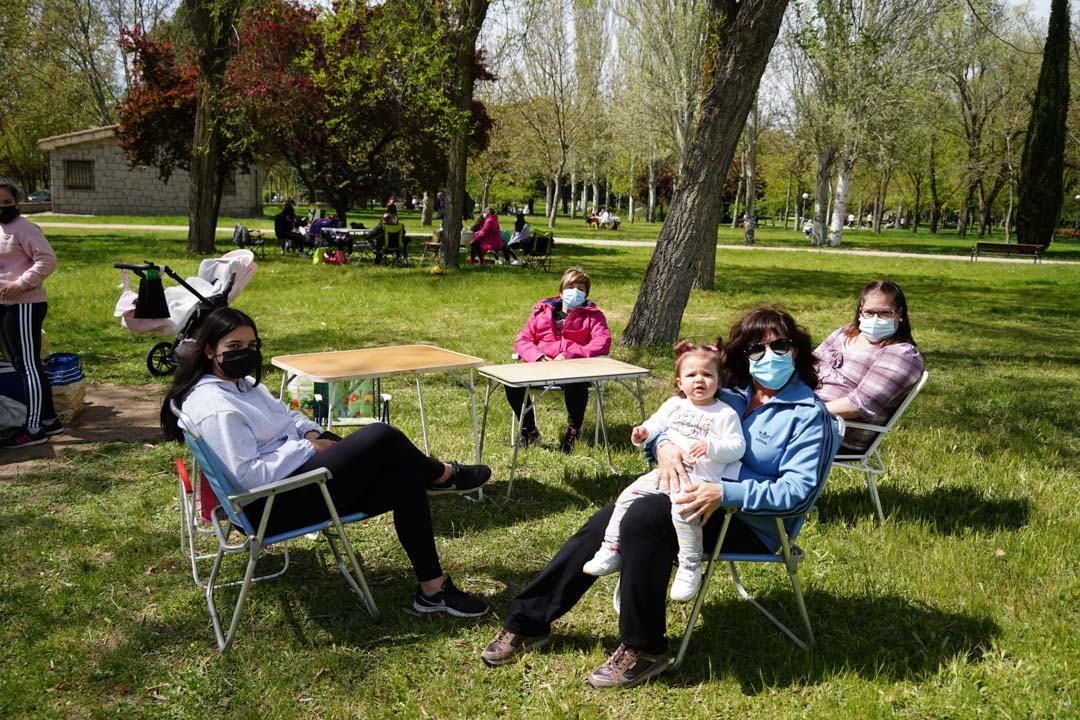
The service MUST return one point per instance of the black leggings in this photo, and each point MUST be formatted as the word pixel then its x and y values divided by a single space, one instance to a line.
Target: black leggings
pixel 20 330
pixel 375 469
pixel 576 396
pixel 648 545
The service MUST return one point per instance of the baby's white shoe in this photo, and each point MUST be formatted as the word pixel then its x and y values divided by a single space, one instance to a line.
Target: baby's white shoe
pixel 687 582
pixel 606 561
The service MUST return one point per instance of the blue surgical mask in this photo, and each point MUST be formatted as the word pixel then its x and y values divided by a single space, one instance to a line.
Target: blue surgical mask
pixel 573 298
pixel 772 370
pixel 877 329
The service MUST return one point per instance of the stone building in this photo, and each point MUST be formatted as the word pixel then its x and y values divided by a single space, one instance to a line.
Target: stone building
pixel 90 175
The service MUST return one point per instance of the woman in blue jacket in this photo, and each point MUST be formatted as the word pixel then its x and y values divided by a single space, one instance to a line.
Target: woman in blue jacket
pixel 790 442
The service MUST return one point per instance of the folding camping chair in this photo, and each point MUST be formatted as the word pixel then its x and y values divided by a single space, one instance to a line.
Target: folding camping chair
pixel 229 516
pixel 395 244
pixel 538 257
pixel 790 555
pixel 246 238
pixel 869 461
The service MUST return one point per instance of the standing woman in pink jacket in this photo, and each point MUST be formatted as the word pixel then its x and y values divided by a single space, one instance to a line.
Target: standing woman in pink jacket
pixel 563 327
pixel 25 260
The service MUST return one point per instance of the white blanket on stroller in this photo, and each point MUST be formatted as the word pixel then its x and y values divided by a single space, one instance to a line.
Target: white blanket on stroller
pixel 213 277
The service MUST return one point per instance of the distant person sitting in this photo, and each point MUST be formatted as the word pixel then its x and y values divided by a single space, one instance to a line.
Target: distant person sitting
pixel 487 239
pixel 377 235
pixel 522 239
pixel 285 224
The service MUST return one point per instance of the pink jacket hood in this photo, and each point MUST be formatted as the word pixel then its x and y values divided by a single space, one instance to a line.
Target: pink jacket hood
pixel 584 332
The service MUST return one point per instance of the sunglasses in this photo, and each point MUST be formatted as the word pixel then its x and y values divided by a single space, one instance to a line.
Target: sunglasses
pixel 780 346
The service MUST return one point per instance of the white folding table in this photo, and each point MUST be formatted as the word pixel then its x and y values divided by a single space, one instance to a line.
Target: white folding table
pixel 547 376
pixel 355 366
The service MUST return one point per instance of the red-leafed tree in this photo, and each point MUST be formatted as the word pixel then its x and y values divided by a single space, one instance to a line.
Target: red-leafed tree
pixel 157 117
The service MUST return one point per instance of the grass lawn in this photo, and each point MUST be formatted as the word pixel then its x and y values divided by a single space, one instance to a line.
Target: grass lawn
pixel 963 604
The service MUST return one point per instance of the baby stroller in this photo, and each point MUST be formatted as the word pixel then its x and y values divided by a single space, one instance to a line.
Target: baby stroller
pixel 217 284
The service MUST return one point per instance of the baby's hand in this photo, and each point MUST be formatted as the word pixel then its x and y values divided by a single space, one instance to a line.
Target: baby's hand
pixel 698 449
pixel 639 435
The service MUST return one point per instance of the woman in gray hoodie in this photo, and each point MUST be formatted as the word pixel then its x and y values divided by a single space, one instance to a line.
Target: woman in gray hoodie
pixel 259 441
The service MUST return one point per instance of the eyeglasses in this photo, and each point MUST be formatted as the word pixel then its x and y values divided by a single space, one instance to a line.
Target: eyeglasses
pixel 780 346
pixel 886 314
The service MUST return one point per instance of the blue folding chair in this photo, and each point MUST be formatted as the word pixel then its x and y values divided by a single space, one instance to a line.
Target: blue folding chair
pixel 790 555
pixel 229 516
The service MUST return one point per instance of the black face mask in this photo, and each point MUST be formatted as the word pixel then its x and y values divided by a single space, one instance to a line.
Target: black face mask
pixel 8 213
pixel 240 363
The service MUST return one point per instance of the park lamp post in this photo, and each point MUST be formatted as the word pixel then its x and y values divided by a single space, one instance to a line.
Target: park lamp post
pixel 802 219
pixel 1076 215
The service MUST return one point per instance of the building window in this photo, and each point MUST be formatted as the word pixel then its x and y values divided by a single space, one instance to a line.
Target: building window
pixel 229 186
pixel 79 174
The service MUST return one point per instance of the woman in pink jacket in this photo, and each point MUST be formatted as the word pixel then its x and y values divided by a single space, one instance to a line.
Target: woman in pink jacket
pixel 561 328
pixel 25 260
pixel 487 239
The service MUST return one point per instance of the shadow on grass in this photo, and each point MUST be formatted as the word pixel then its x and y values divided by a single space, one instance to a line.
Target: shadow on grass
pixel 874 637
pixel 947 510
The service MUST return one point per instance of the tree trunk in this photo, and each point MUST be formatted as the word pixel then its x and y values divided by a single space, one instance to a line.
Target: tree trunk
pixel 751 168
pixel 652 187
pixel 741 36
pixel 210 27
pixel 468 19
pixel 484 191
pixel 738 196
pixel 428 211
pixel 630 197
pixel 584 193
pixel 843 187
pixel 965 209
pixel 596 189
pixel 826 160
pixel 1042 163
pixel 553 209
pixel 573 197
pixel 787 200
pixel 202 216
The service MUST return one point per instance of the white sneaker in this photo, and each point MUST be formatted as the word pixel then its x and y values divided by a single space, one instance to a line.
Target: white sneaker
pixel 606 561
pixel 515 262
pixel 498 262
pixel 687 582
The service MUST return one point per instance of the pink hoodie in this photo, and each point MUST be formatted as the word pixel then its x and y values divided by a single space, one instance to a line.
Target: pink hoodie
pixel 584 332
pixel 26 258
pixel 488 235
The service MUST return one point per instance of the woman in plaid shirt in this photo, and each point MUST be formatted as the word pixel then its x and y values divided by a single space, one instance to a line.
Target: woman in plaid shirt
pixel 868 367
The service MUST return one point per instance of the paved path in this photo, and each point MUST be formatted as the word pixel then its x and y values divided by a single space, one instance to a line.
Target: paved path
pixel 616 243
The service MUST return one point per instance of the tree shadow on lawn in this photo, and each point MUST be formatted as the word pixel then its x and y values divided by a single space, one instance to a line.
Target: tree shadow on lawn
pixel 947 510
pixel 875 637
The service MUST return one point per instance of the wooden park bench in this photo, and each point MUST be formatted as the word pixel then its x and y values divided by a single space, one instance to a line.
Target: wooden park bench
pixel 993 248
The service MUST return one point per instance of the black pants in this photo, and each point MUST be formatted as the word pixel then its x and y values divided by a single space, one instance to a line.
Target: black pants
pixel 576 396
pixel 375 469
pixel 648 545
pixel 20 330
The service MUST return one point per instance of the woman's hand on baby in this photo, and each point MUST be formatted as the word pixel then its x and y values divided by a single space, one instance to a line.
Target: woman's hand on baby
pixel 700 501
pixel 671 467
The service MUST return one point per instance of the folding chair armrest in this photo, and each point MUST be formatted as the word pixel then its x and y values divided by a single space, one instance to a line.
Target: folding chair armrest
pixel 866 426
pixel 318 475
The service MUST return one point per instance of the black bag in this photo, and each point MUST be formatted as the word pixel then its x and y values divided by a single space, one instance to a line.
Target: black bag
pixel 151 302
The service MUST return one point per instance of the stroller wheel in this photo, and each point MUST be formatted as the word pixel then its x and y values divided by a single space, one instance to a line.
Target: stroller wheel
pixel 160 360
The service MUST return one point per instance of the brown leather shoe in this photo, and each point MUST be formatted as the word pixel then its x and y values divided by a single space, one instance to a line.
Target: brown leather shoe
pixel 507 646
pixel 627 668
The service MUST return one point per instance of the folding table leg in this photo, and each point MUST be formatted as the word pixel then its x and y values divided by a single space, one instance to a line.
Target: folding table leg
pixel 423 419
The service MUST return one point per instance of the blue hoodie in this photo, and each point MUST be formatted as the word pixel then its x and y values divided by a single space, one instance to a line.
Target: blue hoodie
pixel 790 444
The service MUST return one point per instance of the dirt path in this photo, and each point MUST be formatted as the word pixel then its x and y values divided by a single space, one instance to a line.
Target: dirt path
pixel 112 414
